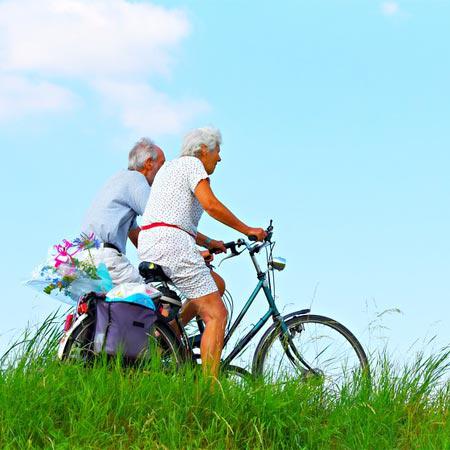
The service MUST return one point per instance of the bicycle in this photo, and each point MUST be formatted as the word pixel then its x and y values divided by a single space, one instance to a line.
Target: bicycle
pixel 298 344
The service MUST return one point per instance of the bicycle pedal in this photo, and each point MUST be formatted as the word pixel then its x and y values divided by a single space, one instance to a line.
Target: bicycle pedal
pixel 195 340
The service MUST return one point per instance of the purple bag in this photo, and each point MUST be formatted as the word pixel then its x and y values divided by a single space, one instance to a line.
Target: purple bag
pixel 123 327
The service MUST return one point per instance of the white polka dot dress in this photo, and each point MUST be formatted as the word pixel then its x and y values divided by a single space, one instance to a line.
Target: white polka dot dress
pixel 172 201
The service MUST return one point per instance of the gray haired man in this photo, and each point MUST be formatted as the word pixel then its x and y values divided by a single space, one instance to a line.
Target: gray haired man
pixel 112 215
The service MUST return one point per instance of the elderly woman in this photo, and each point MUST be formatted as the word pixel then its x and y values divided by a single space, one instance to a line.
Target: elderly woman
pixel 180 193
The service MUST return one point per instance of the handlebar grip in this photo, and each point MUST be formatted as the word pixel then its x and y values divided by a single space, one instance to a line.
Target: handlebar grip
pixel 252 237
pixel 231 246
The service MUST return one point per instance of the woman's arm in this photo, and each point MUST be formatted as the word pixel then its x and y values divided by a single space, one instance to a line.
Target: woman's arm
pixel 202 240
pixel 211 204
pixel 211 244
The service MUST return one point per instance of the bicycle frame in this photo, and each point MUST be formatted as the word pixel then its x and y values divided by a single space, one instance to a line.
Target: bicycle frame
pixel 264 285
pixel 271 312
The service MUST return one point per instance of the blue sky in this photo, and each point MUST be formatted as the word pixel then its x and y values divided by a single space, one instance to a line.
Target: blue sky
pixel 334 117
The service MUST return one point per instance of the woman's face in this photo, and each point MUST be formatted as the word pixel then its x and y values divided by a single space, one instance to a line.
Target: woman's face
pixel 210 158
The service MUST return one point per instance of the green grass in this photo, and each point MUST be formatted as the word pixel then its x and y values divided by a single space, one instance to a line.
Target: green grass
pixel 46 404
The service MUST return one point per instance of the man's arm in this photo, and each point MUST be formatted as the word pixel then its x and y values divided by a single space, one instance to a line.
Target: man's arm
pixel 133 235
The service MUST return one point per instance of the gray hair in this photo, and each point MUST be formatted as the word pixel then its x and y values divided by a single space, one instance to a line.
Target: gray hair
pixel 143 149
pixel 194 139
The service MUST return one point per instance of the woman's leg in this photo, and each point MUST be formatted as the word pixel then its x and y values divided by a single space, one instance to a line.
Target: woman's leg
pixel 188 311
pixel 212 311
pixel 220 282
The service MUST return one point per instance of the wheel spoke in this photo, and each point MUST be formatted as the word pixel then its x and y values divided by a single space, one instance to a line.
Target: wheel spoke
pixel 315 346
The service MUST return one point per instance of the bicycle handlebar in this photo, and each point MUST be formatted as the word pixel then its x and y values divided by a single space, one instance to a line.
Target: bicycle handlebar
pixel 269 231
pixel 233 244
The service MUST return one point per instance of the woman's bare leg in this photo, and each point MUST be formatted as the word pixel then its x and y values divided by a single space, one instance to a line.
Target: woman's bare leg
pixel 220 282
pixel 188 311
pixel 212 311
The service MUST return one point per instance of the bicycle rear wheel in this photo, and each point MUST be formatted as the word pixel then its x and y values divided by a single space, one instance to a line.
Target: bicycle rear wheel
pixel 79 346
pixel 331 352
pixel 237 375
pixel 164 347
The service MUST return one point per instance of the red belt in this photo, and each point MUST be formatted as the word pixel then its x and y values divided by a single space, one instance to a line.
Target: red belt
pixel 163 224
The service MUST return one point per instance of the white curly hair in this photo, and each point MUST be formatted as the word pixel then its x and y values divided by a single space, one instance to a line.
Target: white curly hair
pixel 143 149
pixel 193 140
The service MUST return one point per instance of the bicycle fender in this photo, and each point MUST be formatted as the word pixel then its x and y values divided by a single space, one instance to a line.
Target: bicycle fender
pixel 67 334
pixel 302 312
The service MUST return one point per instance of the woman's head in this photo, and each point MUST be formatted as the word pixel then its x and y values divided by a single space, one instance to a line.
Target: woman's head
pixel 203 143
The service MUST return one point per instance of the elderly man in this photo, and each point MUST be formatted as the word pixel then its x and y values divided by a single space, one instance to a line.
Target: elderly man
pixel 112 215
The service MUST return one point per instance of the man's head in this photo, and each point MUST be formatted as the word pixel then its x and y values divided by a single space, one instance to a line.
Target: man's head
pixel 204 143
pixel 146 157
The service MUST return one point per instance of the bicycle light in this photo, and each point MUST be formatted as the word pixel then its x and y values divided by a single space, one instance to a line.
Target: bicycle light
pixel 277 263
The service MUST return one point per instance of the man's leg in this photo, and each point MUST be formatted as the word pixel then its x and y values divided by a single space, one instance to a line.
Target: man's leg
pixel 119 267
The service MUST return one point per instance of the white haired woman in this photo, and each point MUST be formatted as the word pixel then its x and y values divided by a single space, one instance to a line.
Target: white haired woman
pixel 180 193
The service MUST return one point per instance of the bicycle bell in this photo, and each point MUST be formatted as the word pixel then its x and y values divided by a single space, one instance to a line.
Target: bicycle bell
pixel 277 263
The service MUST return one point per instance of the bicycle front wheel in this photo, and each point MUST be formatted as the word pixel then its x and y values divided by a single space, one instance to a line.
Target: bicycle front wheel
pixel 316 346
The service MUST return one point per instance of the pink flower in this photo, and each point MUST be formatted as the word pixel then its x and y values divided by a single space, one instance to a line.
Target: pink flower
pixel 63 255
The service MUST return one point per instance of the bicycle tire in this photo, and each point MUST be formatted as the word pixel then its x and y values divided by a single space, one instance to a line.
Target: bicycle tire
pixel 173 354
pixel 316 338
pixel 238 374
pixel 80 345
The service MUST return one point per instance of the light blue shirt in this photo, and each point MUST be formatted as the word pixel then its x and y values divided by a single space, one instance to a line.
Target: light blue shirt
pixel 115 208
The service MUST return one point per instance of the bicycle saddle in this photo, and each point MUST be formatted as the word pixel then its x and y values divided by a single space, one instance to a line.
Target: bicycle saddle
pixel 152 273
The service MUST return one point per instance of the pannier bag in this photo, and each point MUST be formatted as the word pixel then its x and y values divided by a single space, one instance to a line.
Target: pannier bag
pixel 124 320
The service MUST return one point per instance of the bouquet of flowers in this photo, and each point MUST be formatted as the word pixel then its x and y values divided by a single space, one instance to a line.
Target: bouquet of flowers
pixel 66 277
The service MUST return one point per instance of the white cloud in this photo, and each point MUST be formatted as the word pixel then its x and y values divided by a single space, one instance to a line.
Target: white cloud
pixel 147 111
pixel 20 96
pixel 390 8
pixel 115 41
pixel 87 38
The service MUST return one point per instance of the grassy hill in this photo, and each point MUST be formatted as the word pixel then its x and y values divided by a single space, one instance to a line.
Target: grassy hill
pixel 46 404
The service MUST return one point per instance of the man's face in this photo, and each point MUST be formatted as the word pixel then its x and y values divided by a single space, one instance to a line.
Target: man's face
pixel 154 165
pixel 210 158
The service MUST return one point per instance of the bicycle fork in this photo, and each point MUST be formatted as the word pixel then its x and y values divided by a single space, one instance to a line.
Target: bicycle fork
pixel 285 337
pixel 291 350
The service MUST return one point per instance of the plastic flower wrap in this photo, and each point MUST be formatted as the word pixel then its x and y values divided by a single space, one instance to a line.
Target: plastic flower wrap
pixel 66 277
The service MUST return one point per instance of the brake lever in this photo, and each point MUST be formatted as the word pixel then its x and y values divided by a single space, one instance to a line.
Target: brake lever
pixel 233 254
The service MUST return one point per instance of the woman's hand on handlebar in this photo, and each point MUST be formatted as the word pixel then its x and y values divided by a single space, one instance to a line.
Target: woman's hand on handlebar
pixel 217 246
pixel 256 234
